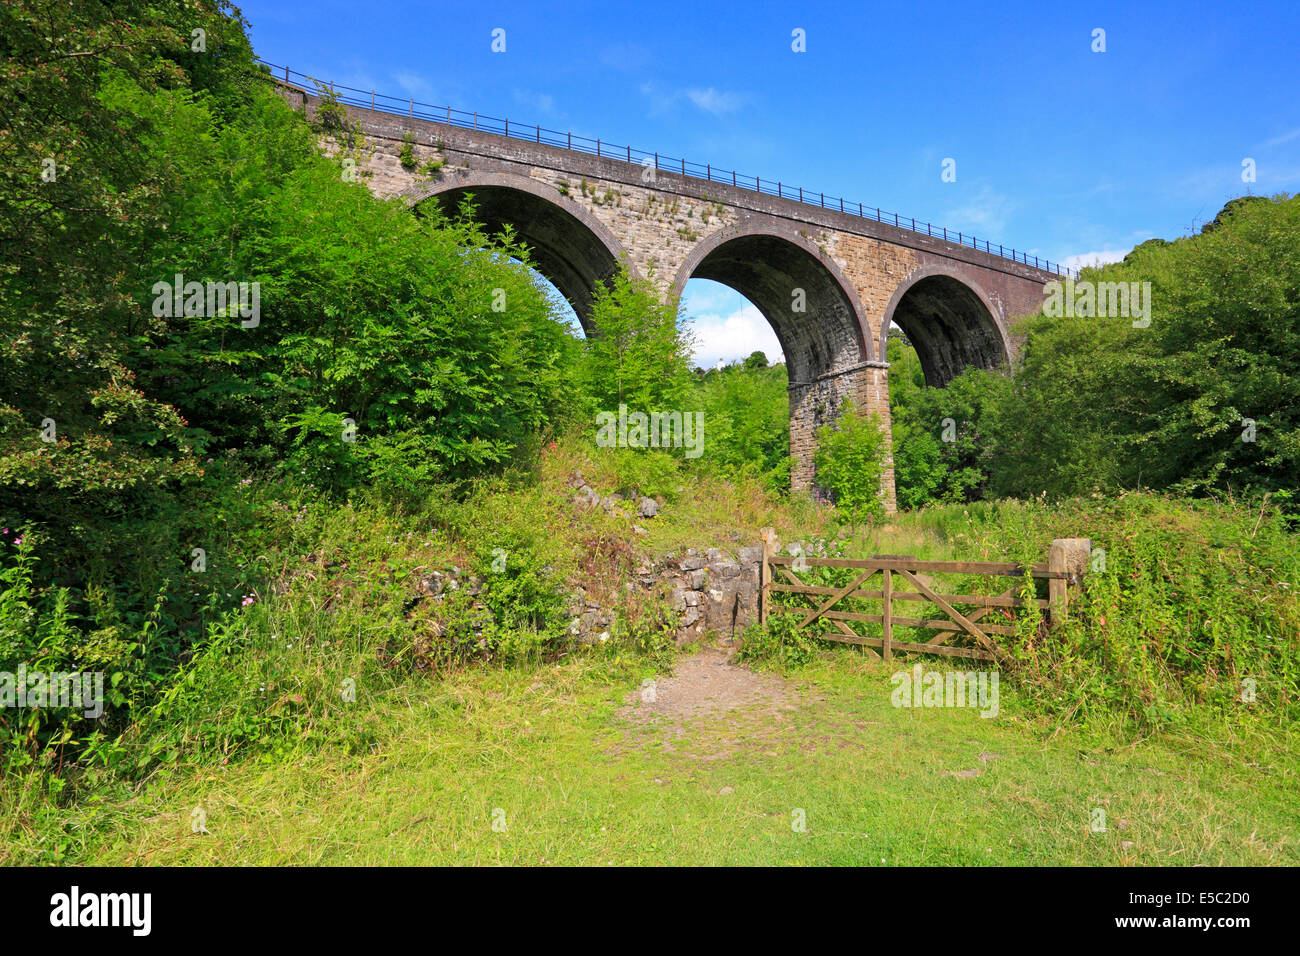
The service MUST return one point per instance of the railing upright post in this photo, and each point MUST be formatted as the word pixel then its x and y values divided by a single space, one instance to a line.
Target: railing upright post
pixel 372 99
pixel 733 177
pixel 597 147
pixel 476 120
pixel 412 106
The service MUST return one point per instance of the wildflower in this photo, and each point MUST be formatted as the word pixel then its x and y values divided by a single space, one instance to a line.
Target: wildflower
pixel 248 599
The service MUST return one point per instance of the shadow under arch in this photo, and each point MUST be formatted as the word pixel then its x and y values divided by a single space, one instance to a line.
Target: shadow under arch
pixel 570 246
pixel 766 267
pixel 950 321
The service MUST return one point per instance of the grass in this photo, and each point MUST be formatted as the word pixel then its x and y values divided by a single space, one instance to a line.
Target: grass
pixel 416 770
pixel 576 783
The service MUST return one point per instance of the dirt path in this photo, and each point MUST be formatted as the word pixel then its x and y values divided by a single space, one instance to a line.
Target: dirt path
pixel 709 684
pixel 710 691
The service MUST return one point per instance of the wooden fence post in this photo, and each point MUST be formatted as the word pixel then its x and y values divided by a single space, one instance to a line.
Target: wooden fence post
pixel 1057 596
pixel 1068 556
pixel 887 608
pixel 887 616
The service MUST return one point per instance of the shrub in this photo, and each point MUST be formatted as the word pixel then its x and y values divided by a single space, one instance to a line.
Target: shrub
pixel 636 353
pixel 406 154
pixel 850 462
pixel 778 644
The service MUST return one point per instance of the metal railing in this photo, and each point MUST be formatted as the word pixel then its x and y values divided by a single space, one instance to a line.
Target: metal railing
pixel 660 162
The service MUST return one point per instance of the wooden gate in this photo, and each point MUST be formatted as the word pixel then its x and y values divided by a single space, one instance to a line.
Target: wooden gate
pixel 903 580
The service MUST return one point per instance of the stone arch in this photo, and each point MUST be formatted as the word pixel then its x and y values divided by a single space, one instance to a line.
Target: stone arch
pixel 766 264
pixel 951 321
pixel 828 348
pixel 570 246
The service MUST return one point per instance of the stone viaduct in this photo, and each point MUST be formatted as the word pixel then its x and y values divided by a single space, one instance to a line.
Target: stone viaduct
pixel 829 280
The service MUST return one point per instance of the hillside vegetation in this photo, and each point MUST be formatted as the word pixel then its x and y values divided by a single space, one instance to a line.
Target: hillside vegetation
pixel 229 515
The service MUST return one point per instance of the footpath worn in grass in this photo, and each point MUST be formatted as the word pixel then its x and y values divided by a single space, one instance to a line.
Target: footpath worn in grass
pixel 554 758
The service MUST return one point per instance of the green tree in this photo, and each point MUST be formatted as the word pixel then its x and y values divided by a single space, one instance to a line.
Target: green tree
pixel 1204 396
pixel 850 461
pixel 431 336
pixel 637 352
pixel 748 414
pixel 81 199
pixel 941 447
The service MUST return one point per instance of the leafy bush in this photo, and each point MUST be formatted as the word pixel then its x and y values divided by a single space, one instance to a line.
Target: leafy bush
pixel 406 155
pixel 1099 404
pixel 1205 397
pixel 747 414
pixel 941 447
pixel 1191 616
pixel 850 461
pixel 636 353
pixel 779 644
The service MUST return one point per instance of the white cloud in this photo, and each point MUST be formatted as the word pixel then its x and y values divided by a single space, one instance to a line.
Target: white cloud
pixel 660 100
pixel 732 337
pixel 1283 138
pixel 709 100
pixel 715 101
pixel 1100 257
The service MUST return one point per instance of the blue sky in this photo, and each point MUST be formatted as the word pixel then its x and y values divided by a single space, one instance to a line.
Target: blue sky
pixel 1063 152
